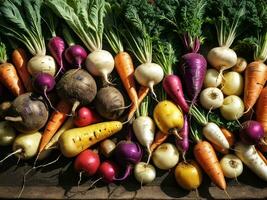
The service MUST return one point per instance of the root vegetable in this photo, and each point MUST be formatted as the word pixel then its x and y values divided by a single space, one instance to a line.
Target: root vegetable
pixel 232 108
pixel 231 165
pixel 109 103
pixel 7 133
pixel 211 98
pixel 144 173
pixel 212 78
pixel 232 84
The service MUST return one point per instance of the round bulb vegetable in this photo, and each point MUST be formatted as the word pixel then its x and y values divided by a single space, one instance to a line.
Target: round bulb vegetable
pixel 241 65
pixel 231 165
pixel 144 173
pixel 232 108
pixel 251 132
pixel 211 98
pixel 100 63
pixel 107 147
pixel 232 84
pixel 166 156
pixel 43 64
pixel 188 175
pixel 212 78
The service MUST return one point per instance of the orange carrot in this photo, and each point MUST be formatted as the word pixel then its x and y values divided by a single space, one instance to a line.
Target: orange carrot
pixel 57 118
pixel 19 59
pixel 261 109
pixel 125 68
pixel 142 92
pixel 230 138
pixel 8 74
pixel 206 157
pixel 159 139
pixel 255 79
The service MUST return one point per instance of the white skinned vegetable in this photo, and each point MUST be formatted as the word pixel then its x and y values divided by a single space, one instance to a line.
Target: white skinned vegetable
pixel 149 74
pixel 7 133
pixel 231 165
pixel 214 134
pixel 100 63
pixel 144 130
pixel 26 145
pixel 232 108
pixel 144 173
pixel 232 84
pixel 250 157
pixel 27 28
pixel 241 65
pixel 211 98
pixel 42 63
pixel 212 78
pixel 166 156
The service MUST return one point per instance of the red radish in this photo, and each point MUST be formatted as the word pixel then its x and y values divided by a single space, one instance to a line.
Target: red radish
pixel 173 87
pixel 87 161
pixel 108 171
pixel 85 116
pixel 56 47
pixel 74 54
pixel 252 132
pixel 183 143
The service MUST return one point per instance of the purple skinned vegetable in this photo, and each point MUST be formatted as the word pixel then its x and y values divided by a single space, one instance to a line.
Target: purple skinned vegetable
pixel 173 87
pixel 74 54
pixel 127 153
pixel 252 132
pixel 183 143
pixel 56 47
pixel 43 83
pixel 194 68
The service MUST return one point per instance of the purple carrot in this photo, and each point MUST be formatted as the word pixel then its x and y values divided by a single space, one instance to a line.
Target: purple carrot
pixel 183 143
pixel 56 47
pixel 173 87
pixel 194 68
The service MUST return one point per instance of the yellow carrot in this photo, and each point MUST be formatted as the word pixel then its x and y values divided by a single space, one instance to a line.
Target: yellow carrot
pixel 76 140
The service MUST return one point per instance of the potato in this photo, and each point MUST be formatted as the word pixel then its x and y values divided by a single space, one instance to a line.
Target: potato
pixel 28 113
pixel 109 103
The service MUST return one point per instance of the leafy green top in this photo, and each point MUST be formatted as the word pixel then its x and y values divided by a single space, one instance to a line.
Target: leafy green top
pixel 227 16
pixel 256 29
pixel 165 57
pixel 85 18
pixel 21 20
pixel 139 41
pixel 144 106
pixel 112 33
pixel 3 55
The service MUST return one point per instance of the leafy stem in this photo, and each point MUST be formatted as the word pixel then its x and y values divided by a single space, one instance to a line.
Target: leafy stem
pixel 3 55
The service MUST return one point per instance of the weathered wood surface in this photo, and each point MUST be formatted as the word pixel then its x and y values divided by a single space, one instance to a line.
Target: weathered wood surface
pixel 59 181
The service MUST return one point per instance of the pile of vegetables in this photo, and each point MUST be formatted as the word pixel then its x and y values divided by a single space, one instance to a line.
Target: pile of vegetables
pixel 172 84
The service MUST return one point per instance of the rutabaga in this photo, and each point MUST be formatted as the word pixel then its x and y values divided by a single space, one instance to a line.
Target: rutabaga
pixel 249 156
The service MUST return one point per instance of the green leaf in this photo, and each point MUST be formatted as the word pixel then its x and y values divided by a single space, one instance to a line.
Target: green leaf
pixel 22 21
pixel 3 54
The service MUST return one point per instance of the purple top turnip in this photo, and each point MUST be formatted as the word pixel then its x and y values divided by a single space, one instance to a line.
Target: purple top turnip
pixel 251 132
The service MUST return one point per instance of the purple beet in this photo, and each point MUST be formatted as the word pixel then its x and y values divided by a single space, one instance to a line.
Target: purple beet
pixel 194 68
pixel 173 87
pixel 252 132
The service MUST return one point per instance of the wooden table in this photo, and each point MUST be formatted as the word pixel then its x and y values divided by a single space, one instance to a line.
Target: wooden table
pixel 59 181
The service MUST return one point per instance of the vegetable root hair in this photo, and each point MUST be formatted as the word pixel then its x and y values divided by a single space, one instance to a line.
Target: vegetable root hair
pixel 228 196
pixel 197 194
pixel 35 167
pixel 79 180
pixel 11 154
pixel 149 155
